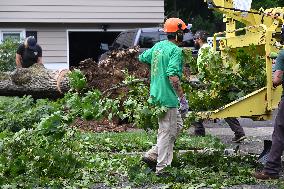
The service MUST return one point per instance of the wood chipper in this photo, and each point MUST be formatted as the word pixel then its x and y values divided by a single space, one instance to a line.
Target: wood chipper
pixel 262 29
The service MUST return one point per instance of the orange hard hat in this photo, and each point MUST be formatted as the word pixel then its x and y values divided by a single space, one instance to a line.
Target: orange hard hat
pixel 174 24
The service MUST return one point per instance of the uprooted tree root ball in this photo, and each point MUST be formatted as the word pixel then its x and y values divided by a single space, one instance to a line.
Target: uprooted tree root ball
pixel 112 70
pixel 107 76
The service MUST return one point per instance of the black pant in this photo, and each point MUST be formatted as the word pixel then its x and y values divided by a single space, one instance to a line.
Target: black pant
pixel 232 122
pixel 273 165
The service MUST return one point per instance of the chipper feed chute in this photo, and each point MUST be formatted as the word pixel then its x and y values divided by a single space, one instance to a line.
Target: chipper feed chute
pixel 252 105
pixel 262 29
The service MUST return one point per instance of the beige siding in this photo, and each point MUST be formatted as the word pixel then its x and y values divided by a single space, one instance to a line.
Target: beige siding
pixel 53 37
pixel 82 11
pixel 54 45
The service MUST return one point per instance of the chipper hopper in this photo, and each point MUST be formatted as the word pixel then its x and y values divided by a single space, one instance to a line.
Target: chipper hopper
pixel 262 29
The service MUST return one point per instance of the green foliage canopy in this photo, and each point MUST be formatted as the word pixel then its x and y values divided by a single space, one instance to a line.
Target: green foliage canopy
pixel 197 13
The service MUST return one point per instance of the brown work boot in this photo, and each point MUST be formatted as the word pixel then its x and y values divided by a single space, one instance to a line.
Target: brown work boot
pixel 150 162
pixel 265 176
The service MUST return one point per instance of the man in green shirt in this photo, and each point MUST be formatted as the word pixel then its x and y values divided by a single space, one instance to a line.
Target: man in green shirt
pixel 273 165
pixel 165 59
pixel 200 40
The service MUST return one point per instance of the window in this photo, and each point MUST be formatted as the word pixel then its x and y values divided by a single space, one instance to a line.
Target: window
pixel 129 39
pixel 119 41
pixel 187 40
pixel 124 40
pixel 148 39
pixel 13 34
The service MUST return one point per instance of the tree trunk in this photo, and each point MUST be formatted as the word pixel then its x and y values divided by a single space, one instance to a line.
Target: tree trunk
pixel 36 81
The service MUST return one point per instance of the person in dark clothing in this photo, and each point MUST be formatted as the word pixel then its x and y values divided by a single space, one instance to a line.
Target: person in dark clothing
pixel 199 129
pixel 200 40
pixel 28 53
pixel 273 165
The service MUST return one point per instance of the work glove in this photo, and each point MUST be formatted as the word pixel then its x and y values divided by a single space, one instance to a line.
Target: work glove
pixel 183 106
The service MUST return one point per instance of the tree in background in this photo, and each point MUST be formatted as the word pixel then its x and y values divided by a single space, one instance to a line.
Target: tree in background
pixel 256 4
pixel 197 13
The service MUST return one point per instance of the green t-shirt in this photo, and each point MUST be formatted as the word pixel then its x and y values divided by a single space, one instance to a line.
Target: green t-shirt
pixel 280 62
pixel 165 59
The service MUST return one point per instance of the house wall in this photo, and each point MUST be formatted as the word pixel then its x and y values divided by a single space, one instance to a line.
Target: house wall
pixel 53 38
pixel 52 19
pixel 54 44
pixel 82 11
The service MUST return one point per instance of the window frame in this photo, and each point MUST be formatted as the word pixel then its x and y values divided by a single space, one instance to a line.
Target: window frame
pixel 3 31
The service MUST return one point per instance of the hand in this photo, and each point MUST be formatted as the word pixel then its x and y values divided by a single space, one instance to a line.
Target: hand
pixel 183 107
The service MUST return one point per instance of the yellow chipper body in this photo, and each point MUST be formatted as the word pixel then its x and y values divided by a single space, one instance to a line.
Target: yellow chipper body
pixel 262 29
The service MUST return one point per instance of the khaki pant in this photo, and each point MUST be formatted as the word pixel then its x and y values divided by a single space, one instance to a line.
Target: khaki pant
pixel 169 128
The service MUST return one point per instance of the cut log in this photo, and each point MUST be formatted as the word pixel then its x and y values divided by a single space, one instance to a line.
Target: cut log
pixel 36 81
pixel 107 76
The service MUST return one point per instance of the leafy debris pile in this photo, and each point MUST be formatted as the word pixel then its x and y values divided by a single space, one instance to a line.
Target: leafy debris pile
pixel 225 82
pixel 116 77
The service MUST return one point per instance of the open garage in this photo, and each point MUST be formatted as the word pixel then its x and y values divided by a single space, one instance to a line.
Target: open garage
pixel 86 44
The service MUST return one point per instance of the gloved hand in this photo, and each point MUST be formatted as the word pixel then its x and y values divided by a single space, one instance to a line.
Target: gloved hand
pixel 183 106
